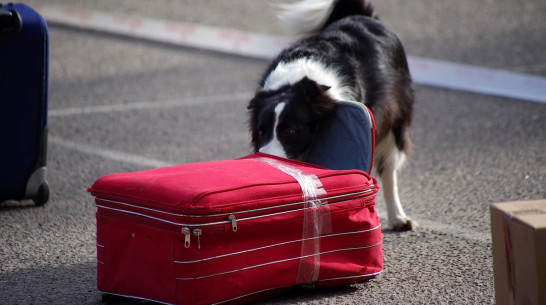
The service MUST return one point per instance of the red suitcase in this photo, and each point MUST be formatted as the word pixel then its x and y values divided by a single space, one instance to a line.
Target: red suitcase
pixel 224 231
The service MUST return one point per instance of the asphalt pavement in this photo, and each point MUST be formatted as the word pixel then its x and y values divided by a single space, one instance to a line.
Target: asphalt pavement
pixel 121 104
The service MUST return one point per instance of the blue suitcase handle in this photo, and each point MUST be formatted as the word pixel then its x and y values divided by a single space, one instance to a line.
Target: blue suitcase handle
pixel 10 23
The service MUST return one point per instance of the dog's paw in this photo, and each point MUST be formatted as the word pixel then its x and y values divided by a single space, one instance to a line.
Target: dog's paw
pixel 403 224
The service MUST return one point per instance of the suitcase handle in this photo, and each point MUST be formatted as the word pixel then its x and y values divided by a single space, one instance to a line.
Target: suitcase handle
pixel 10 23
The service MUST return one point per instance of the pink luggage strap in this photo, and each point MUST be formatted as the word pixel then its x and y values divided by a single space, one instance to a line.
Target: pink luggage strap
pixel 316 219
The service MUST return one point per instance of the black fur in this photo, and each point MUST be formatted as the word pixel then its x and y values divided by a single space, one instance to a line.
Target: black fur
pixel 369 59
pixel 306 106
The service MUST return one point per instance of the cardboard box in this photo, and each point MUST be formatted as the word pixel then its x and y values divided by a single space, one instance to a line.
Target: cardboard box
pixel 518 232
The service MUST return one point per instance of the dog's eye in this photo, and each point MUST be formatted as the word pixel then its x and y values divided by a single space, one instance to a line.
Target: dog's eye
pixel 288 132
pixel 261 131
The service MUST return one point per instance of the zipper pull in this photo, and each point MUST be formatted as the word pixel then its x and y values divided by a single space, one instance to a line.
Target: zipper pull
pixel 186 232
pixel 233 222
pixel 198 232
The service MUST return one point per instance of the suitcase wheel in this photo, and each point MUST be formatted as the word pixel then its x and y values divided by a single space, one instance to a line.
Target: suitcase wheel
pixel 112 299
pixel 107 298
pixel 43 194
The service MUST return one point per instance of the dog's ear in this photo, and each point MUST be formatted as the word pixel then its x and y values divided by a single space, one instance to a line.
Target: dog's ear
pixel 253 110
pixel 255 101
pixel 317 96
pixel 312 88
pixel 252 104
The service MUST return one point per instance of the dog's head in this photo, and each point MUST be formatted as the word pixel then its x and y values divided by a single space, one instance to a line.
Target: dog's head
pixel 283 121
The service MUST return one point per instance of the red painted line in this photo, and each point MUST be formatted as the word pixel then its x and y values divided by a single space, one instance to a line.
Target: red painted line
pixel 424 71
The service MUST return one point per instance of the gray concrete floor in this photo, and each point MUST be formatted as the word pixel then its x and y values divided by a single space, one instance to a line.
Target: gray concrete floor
pixel 471 150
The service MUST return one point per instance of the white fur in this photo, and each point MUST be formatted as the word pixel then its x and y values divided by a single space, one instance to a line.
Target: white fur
pixel 394 160
pixel 305 16
pixel 289 73
pixel 274 147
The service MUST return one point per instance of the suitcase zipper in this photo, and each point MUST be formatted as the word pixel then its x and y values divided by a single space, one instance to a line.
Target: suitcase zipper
pixel 233 222
pixel 187 236
pixel 186 231
pixel 198 232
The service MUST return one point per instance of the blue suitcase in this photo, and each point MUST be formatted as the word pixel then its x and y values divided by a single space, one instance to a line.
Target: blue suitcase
pixel 24 53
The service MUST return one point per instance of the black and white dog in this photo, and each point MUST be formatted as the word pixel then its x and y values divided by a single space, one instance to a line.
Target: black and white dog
pixel 348 55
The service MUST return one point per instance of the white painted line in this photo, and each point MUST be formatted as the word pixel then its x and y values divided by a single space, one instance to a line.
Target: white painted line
pixel 184 34
pixel 201 100
pixel 424 71
pixel 110 154
pixel 463 77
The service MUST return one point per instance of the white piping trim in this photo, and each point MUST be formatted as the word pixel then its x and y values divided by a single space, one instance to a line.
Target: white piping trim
pixel 249 294
pixel 214 223
pixel 134 297
pixel 274 245
pixel 279 261
pixel 253 293
pixel 352 277
pixel 240 212
pixel 210 223
pixel 159 219
pixel 287 286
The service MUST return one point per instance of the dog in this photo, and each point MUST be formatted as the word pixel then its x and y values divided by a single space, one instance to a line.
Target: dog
pixel 347 54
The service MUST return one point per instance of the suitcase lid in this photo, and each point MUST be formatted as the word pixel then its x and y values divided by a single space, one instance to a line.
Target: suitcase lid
pixel 253 182
pixel 345 140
